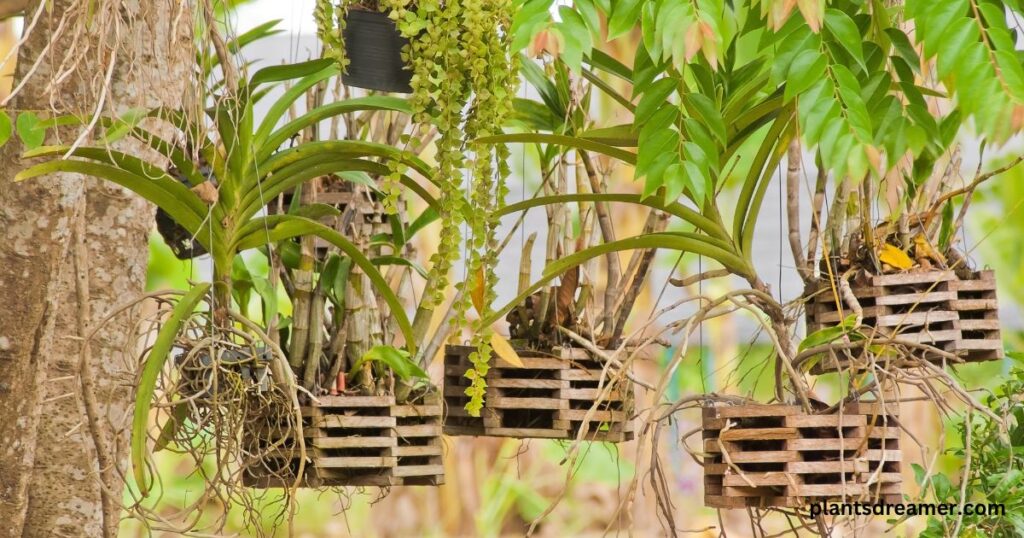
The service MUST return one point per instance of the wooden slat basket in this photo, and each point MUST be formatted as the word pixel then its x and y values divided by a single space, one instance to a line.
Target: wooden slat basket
pixel 773 456
pixel 360 210
pixel 354 441
pixel 959 316
pixel 552 396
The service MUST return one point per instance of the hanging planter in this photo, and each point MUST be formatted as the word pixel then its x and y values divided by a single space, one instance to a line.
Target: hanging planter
pixel 205 376
pixel 361 213
pixel 953 313
pixel 551 396
pixel 352 441
pixel 373 46
pixel 765 456
pixel 977 307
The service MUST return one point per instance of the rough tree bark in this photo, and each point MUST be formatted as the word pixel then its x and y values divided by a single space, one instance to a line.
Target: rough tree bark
pixel 49 462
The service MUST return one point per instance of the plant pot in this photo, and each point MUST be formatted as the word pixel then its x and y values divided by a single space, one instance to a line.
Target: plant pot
pixel 362 215
pixel 202 378
pixel 978 317
pixel 353 441
pixel 936 308
pixel 552 396
pixel 373 46
pixel 773 456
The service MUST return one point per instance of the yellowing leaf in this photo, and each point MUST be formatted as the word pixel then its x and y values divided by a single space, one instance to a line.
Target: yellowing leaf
pixel 693 41
pixel 895 257
pixel 924 249
pixel 813 12
pixel 503 349
pixel 477 293
pixel 206 192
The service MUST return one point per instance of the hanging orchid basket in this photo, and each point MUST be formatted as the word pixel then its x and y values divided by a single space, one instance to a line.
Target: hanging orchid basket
pixel 351 441
pixel 553 395
pixel 939 316
pixel 774 456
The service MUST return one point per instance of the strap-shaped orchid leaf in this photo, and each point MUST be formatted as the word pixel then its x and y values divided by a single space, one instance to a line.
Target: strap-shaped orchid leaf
pixel 316 166
pixel 675 209
pixel 344 148
pixel 375 102
pixel 730 260
pixel 562 140
pixel 295 92
pixel 155 361
pixel 173 197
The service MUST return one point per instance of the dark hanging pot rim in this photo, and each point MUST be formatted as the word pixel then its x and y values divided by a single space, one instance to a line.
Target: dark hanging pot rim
pixel 373 46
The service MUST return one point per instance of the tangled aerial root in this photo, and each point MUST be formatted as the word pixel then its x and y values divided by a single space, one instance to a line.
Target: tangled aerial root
pixel 219 411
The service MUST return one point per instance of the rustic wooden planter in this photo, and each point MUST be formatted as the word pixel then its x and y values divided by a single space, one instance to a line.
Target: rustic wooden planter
pixel 364 215
pixel 766 456
pixel 551 396
pixel 978 308
pixel 355 441
pixel 959 316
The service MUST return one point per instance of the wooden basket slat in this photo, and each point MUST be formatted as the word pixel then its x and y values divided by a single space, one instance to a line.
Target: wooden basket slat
pixel 363 441
pixel 805 458
pixel 542 399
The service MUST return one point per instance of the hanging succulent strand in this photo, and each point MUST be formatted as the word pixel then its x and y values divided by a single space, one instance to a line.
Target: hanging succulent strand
pixel 495 81
pixel 464 78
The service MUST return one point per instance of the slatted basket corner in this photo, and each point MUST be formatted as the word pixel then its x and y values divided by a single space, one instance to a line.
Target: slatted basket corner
pixel 552 396
pixel 354 441
pixel 774 456
pixel 952 314
pixel 362 214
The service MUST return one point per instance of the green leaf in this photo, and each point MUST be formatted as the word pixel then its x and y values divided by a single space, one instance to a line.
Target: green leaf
pixel 30 131
pixel 398 260
pixel 842 27
pixel 675 181
pixel 828 334
pixel 151 370
pixel 655 97
pixel 624 17
pixel 576 38
pixel 919 473
pixel 711 117
pixel 167 194
pixel 428 216
pixel 316 211
pixel 619 135
pixel 398 360
pixel 698 181
pixel 669 241
pixel 179 413
pixel 903 48
pixel 358 177
pixel 806 70
pixel 5 128
pixel 279 73
pixel 561 140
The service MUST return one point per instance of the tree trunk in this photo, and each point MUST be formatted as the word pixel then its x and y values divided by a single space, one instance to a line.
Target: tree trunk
pixel 65 235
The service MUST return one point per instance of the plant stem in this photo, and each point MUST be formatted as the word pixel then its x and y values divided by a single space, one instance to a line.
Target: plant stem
pixel 604 221
pixel 793 209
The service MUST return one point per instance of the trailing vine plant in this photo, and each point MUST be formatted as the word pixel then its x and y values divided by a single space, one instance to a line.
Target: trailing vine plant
pixel 464 79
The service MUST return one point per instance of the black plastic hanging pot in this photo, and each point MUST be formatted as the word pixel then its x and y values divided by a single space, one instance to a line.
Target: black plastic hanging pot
pixel 373 46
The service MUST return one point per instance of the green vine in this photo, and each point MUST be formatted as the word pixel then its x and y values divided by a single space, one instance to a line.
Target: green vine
pixel 330 24
pixel 464 81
